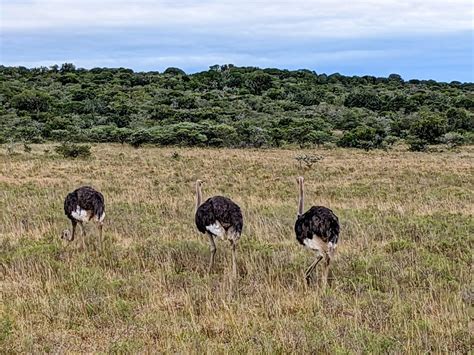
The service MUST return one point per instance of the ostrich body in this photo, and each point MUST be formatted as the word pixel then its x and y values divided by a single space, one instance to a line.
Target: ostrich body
pixel 83 205
pixel 318 230
pixel 220 217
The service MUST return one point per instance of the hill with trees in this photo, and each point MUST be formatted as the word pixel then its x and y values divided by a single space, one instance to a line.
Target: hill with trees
pixel 228 106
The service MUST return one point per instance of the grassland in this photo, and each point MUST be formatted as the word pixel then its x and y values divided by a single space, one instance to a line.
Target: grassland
pixel 401 281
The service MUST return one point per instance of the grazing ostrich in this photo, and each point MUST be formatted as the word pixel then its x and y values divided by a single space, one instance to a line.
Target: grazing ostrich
pixel 218 217
pixel 83 205
pixel 318 230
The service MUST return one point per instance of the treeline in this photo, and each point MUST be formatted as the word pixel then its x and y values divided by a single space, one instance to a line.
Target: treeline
pixel 232 107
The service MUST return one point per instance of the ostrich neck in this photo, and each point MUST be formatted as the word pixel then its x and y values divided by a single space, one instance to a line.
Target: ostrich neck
pixel 301 200
pixel 198 196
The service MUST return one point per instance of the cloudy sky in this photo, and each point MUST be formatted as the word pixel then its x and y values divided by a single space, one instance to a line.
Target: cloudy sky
pixel 427 39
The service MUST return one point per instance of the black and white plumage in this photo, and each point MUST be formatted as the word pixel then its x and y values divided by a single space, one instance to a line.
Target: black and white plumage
pixel 220 217
pixel 83 205
pixel 317 229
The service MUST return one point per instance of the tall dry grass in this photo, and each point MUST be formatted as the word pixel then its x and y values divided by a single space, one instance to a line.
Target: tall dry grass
pixel 401 281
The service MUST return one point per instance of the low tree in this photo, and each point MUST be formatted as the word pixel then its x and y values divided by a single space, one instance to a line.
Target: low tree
pixel 32 101
pixel 319 137
pixel 362 137
pixel 429 126
pixel 71 150
pixel 257 82
pixel 67 68
pixel 174 71
pixel 363 98
pixel 140 137
pixel 460 119
pixel 416 144
pixel 453 139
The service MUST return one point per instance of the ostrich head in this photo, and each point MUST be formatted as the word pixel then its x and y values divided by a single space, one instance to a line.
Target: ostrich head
pixel 300 179
pixel 199 183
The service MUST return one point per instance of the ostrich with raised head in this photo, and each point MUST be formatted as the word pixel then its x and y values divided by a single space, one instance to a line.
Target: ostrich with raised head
pixel 83 205
pixel 219 216
pixel 318 230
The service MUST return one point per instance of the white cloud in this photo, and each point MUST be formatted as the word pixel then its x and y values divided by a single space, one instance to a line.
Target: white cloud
pixel 302 18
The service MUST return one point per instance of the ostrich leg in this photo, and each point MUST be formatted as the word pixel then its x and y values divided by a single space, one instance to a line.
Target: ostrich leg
pixel 234 261
pixel 311 268
pixel 326 270
pixel 213 252
pixel 100 235
pixel 74 224
pixel 83 231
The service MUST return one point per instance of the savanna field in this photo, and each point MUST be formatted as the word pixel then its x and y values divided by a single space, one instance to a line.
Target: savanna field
pixel 401 281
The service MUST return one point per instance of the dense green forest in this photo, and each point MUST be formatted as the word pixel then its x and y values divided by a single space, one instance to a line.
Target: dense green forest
pixel 232 107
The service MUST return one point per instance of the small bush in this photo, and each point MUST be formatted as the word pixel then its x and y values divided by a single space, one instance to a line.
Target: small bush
pixel 308 160
pixel 468 137
pixel 71 150
pixel 429 127
pixel 362 137
pixel 453 139
pixel 140 137
pixel 390 140
pixel 319 137
pixel 417 144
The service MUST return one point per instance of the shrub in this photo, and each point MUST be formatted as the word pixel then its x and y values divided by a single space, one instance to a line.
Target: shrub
pixel 257 82
pixel 28 133
pixel 60 135
pixel 319 137
pixel 71 150
pixel 390 140
pixel 363 98
pixel 429 127
pixel 453 139
pixel 102 134
pixel 308 160
pixel 362 137
pixel 417 144
pixel 121 135
pixel 468 137
pixel 221 135
pixel 459 118
pixel 140 137
pixel 32 101
pixel 253 136
pixel 174 71
pixel 186 133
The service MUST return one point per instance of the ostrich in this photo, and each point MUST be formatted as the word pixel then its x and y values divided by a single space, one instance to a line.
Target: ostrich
pixel 318 230
pixel 83 205
pixel 219 216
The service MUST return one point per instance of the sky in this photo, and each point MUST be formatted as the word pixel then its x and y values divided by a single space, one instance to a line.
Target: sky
pixel 422 39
